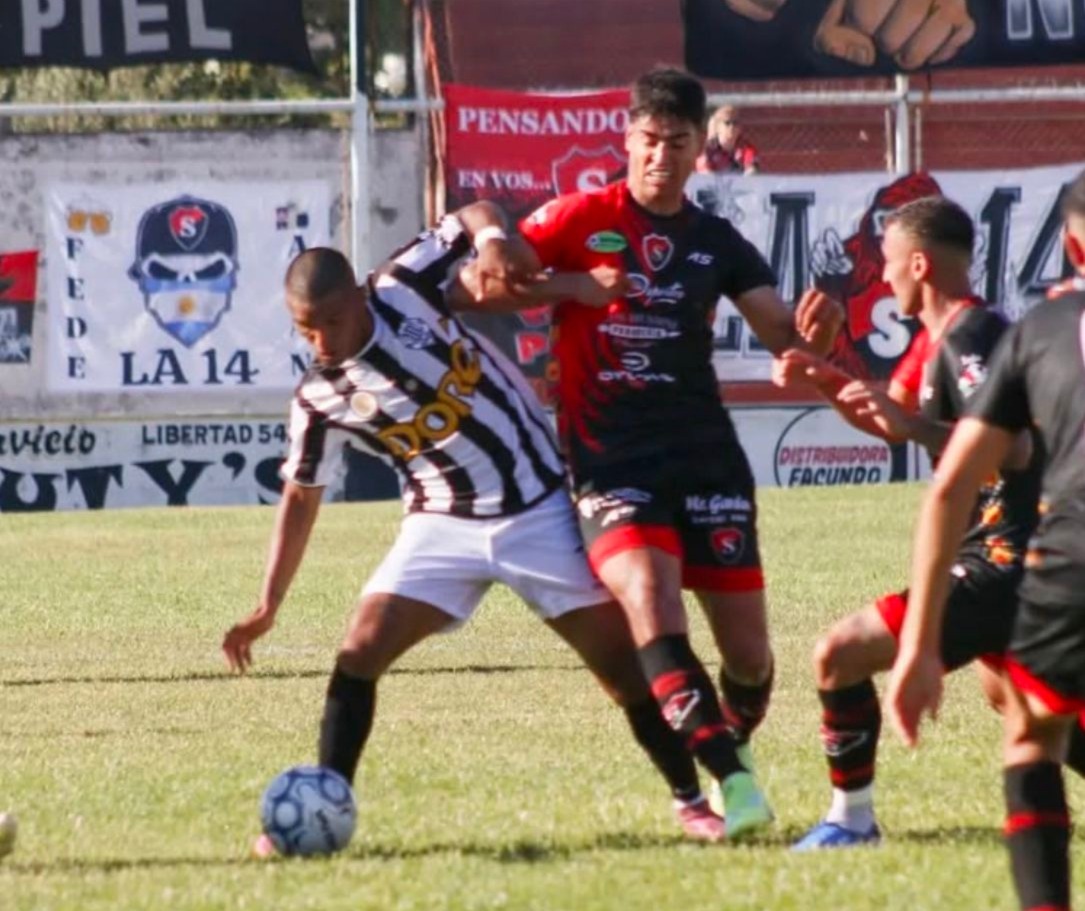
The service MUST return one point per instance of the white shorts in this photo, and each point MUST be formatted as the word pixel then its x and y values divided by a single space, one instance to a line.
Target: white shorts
pixel 451 562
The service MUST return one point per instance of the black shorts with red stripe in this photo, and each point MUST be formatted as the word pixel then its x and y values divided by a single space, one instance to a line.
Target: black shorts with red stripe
pixel 1046 655
pixel 704 515
pixel 979 616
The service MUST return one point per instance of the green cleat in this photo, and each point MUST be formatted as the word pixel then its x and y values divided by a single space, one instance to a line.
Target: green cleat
pixel 743 806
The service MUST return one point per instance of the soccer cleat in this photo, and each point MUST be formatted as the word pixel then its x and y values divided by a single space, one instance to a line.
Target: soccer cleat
pixel 698 821
pixel 745 808
pixel 833 835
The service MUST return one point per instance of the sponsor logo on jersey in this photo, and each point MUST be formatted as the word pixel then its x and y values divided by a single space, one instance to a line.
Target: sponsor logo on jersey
pixel 364 404
pixel 606 242
pixel 637 333
pixel 415 333
pixel 635 368
pixel 728 544
pixel 658 250
pixel 700 259
pixel 973 373
pixel 652 295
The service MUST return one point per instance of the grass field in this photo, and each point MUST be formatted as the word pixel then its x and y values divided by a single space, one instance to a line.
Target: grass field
pixel 497 775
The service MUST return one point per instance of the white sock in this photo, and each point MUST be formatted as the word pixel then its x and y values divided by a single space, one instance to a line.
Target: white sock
pixel 852 809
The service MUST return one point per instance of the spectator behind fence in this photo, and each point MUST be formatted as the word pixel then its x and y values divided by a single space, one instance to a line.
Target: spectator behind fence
pixel 727 151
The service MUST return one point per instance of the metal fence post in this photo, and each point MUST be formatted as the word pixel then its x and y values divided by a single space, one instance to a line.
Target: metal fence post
pixel 360 191
pixel 902 144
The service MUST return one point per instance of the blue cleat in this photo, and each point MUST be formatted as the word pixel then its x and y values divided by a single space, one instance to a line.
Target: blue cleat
pixel 833 835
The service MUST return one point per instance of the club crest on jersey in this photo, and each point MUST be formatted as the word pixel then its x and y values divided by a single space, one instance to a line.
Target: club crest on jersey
pixel 973 373
pixel 728 544
pixel 606 242
pixel 658 250
pixel 415 334
pixel 584 170
pixel 364 404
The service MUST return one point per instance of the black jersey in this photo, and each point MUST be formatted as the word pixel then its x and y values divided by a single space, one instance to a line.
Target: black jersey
pixel 439 404
pixel 635 378
pixel 1038 380
pixel 954 370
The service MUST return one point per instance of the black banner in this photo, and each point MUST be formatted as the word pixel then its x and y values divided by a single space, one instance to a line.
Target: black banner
pixel 103 34
pixel 794 39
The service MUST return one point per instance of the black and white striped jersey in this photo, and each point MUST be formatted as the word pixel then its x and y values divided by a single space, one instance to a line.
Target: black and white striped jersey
pixel 434 400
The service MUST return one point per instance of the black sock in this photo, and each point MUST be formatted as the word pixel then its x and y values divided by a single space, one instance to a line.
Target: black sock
pixel 665 748
pixel 744 704
pixel 851 721
pixel 689 704
pixel 1038 835
pixel 348 718
pixel 1075 755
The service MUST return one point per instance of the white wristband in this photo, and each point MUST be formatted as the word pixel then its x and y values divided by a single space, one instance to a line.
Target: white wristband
pixel 490 232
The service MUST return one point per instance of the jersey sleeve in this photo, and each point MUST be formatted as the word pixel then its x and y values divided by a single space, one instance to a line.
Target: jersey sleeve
pixel 315 456
pixel 429 262
pixel 1003 398
pixel 743 266
pixel 547 230
pixel 968 353
pixel 909 370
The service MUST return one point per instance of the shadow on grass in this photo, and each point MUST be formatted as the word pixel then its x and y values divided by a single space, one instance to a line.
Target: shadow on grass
pixel 306 674
pixel 82 865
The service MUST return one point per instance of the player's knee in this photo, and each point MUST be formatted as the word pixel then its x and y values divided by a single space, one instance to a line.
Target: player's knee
pixel 831 659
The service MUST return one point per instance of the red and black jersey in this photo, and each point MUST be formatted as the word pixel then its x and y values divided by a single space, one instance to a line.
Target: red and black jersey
pixel 1038 380
pixel 635 378
pixel 951 370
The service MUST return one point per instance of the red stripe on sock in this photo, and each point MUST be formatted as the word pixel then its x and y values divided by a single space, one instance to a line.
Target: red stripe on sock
pixel 841 778
pixel 705 732
pixel 1018 822
pixel 669 683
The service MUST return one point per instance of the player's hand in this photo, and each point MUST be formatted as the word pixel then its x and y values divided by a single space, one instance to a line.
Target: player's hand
pixel 599 286
pixel 237 643
pixel 758 10
pixel 915 33
pixel 818 318
pixel 828 256
pixel 503 268
pixel 796 368
pixel 915 689
pixel 868 401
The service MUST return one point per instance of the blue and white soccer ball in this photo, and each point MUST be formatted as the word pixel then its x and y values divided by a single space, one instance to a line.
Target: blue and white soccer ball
pixel 308 810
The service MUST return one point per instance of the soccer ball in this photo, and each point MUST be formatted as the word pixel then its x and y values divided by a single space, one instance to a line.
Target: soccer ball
pixel 308 810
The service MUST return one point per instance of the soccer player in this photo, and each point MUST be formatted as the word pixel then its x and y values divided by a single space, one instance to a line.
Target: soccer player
pixel 398 375
pixel 1037 381
pixel 663 488
pixel 928 251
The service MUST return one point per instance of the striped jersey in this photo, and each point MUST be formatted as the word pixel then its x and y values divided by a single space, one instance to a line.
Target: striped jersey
pixel 434 400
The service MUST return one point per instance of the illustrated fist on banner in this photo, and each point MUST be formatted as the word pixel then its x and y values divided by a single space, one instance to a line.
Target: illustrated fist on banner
pixel 914 33
pixel 758 10
pixel 828 257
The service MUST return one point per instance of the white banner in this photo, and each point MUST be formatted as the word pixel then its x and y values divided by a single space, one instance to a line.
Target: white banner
pixel 826 230
pixel 176 287
pixel 104 464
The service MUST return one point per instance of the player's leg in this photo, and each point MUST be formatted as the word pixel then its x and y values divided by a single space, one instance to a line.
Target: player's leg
pixel 540 555
pixel 845 661
pixel 433 577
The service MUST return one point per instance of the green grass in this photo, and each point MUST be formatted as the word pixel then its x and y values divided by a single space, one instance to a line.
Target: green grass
pixel 497 775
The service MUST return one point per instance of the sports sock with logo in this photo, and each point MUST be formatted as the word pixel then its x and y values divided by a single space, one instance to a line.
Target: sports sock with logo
pixel 851 721
pixel 348 718
pixel 665 748
pixel 744 704
pixel 1038 835
pixel 689 704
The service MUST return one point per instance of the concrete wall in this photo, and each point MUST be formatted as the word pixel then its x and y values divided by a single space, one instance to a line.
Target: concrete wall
pixel 28 162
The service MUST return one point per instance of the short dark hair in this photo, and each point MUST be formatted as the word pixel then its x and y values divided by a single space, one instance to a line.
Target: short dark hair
pixel 317 272
pixel 937 221
pixel 1073 198
pixel 668 92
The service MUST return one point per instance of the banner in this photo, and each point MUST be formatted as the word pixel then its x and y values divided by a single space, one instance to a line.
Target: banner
pixel 520 150
pixel 102 35
pixel 826 231
pixel 795 39
pixel 103 464
pixel 18 294
pixel 176 288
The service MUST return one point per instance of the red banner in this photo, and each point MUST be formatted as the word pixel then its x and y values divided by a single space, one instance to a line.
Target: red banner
pixel 18 291
pixel 520 150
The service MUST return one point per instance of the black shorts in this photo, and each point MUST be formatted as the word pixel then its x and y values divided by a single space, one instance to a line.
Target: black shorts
pixel 1047 654
pixel 705 514
pixel 979 616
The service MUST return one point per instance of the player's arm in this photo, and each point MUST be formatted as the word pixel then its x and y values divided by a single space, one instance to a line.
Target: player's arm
pixel 294 521
pixel 811 327
pixel 505 265
pixel 974 452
